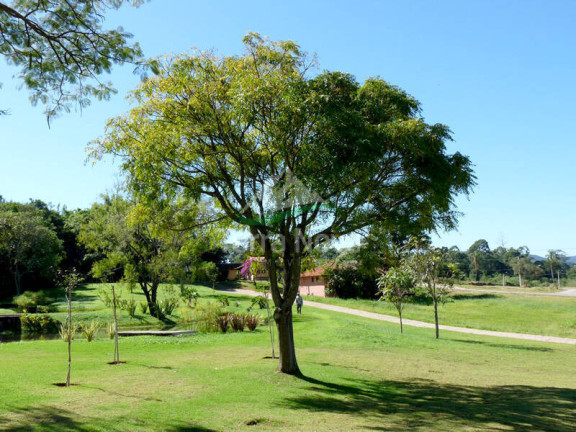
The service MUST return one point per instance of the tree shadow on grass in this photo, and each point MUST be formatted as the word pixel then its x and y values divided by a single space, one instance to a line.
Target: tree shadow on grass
pixel 124 394
pixel 505 345
pixel 422 404
pixel 49 419
pixel 45 418
pixel 475 296
pixel 191 428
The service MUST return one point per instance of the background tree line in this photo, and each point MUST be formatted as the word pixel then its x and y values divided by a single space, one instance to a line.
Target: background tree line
pixel 111 241
pixel 479 264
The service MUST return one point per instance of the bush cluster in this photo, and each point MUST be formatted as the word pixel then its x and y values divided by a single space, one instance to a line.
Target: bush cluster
pixel 30 301
pixel 349 282
pixel 40 323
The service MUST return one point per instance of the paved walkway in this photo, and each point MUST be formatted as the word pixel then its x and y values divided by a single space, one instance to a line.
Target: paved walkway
pixel 413 323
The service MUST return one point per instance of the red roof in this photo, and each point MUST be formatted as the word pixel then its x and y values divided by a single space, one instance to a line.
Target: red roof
pixel 318 271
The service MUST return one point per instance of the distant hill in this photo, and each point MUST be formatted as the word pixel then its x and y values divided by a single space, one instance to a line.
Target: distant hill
pixel 570 260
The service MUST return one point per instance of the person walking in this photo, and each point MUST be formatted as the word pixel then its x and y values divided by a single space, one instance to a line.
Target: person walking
pixel 299 303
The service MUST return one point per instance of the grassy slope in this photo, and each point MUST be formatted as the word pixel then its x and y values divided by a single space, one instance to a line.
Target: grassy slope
pixel 522 314
pixel 362 375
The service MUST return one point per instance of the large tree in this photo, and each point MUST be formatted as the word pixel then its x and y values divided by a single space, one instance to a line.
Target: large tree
pixel 28 244
pixel 61 49
pixel 526 270
pixel 295 158
pixel 141 248
pixel 555 259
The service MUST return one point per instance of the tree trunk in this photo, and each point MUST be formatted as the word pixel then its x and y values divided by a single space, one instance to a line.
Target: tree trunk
pixel 69 331
pixel 151 295
pixel 400 316
pixel 436 318
pixel 283 302
pixel 283 318
pixel 18 282
pixel 116 347
pixel 270 325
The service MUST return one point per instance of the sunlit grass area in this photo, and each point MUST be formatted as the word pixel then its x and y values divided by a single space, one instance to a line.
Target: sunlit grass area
pixel 549 316
pixel 361 374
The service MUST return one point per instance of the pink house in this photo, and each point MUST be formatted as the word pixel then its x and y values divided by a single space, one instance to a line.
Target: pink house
pixel 313 282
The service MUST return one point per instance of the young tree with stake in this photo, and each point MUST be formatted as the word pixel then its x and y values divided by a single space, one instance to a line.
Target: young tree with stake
pixel 432 271
pixel 70 280
pixel 396 287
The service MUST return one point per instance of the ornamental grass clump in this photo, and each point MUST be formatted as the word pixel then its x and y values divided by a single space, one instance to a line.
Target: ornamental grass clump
pixel 223 321
pixel 252 321
pixel 168 306
pixel 90 330
pixel 237 321
pixel 111 329
pixel 143 307
pixel 67 333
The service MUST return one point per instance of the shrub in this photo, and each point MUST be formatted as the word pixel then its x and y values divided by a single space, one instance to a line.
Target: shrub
pixel 89 330
pixel 205 316
pixel 224 300
pixel 237 321
pixel 129 306
pixel 259 301
pixel 42 309
pixel 223 321
pixel 29 300
pixel 143 307
pixel 349 282
pixel 252 321
pixel 106 297
pixel 38 324
pixel 190 296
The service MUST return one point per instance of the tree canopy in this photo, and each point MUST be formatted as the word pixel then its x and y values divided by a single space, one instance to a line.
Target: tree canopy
pixel 291 156
pixel 61 49
pixel 28 244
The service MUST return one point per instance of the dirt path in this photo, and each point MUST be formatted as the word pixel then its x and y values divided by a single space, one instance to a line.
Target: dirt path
pixel 422 324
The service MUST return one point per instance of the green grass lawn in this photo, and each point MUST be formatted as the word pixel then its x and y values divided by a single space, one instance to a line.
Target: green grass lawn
pixel 549 316
pixel 361 375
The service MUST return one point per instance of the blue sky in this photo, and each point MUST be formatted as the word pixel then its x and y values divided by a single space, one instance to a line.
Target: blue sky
pixel 500 74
